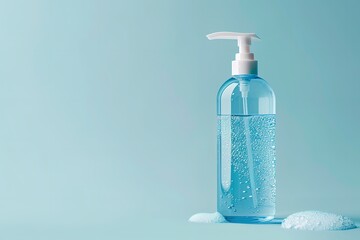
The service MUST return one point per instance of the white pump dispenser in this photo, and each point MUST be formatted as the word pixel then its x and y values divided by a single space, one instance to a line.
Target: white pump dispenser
pixel 244 62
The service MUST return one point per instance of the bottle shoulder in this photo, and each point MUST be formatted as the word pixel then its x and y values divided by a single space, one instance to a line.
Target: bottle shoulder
pixel 246 94
pixel 257 85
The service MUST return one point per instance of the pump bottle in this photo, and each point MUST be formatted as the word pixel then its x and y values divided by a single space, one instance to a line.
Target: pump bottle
pixel 245 139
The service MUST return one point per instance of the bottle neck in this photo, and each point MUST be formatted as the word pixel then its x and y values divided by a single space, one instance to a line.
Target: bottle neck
pixel 245 76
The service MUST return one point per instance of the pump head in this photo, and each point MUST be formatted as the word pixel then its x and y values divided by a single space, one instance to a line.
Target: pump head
pixel 244 62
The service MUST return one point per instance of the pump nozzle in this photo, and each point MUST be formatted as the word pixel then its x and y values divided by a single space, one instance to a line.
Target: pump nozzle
pixel 244 62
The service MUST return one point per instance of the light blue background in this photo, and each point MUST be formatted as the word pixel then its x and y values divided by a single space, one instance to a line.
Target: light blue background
pixel 108 114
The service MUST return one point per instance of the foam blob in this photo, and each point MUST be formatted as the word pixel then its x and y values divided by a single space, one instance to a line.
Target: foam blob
pixel 207 218
pixel 317 221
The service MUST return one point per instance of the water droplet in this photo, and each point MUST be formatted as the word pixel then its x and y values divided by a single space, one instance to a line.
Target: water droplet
pixel 257 189
pixel 243 198
pixel 250 196
pixel 234 209
pixel 244 191
pixel 248 187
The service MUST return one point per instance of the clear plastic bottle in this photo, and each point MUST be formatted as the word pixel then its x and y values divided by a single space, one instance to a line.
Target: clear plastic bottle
pixel 246 139
pixel 246 150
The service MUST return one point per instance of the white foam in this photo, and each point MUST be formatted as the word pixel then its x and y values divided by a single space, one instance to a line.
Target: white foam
pixel 215 217
pixel 317 221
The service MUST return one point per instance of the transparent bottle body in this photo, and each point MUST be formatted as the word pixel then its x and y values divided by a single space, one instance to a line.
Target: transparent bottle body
pixel 246 150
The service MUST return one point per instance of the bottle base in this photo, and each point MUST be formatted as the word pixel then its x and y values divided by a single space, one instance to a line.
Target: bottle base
pixel 252 219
